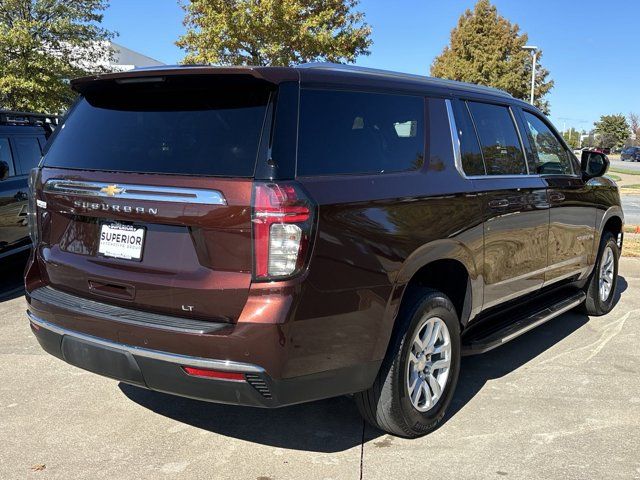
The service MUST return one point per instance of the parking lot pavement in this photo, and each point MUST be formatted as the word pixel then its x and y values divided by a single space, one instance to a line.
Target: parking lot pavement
pixel 562 401
pixel 631 208
pixel 617 163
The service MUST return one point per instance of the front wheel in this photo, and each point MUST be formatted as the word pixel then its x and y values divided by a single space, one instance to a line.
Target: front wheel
pixel 602 286
pixel 418 377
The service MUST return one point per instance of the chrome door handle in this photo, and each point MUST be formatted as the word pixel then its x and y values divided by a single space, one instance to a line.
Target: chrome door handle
pixel 503 203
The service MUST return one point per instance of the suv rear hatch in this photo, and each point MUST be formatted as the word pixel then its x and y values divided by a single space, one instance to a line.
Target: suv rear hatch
pixel 148 186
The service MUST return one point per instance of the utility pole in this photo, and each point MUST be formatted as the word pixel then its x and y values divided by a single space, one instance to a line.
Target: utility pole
pixel 534 50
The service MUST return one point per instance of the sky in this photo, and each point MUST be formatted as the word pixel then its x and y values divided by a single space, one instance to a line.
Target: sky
pixel 590 47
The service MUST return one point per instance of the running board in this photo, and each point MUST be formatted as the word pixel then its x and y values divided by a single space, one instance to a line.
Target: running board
pixel 513 330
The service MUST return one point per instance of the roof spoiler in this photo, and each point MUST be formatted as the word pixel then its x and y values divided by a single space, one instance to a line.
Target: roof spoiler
pixel 272 75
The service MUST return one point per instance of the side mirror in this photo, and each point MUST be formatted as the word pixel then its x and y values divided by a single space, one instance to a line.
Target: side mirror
pixel 593 164
pixel 4 171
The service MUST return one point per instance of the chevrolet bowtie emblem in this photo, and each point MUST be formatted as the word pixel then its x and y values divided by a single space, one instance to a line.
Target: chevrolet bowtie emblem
pixel 111 190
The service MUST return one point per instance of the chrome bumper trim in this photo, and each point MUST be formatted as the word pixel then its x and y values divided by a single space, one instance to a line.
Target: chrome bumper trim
pixel 223 365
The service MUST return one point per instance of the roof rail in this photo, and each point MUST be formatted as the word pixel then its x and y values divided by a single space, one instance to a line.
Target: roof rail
pixel 400 76
pixel 11 117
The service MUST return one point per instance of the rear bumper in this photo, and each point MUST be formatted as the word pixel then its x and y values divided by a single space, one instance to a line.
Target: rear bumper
pixel 153 369
pixel 163 371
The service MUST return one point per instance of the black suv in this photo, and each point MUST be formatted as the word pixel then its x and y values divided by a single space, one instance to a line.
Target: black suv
pixel 631 153
pixel 267 236
pixel 22 139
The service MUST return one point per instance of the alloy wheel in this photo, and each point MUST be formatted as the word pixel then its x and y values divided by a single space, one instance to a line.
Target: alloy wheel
pixel 606 273
pixel 428 364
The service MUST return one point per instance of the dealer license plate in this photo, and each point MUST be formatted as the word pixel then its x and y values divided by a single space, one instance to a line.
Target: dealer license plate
pixel 121 241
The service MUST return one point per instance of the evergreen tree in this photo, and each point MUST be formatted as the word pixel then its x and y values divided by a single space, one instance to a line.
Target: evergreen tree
pixel 485 48
pixel 612 130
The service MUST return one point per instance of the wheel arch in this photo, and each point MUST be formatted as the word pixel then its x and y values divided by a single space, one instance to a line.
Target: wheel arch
pixel 445 265
pixel 612 221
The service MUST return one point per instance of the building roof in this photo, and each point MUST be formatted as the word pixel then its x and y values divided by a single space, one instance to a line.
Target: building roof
pixel 126 57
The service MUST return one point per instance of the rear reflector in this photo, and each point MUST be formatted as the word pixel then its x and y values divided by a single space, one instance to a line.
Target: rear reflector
pixel 204 372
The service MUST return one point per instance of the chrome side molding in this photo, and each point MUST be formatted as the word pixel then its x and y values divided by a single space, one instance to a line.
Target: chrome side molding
pixel 135 192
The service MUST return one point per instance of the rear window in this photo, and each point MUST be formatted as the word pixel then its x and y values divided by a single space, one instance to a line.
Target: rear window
pixel 357 132
pixel 5 155
pixel 201 128
pixel 29 153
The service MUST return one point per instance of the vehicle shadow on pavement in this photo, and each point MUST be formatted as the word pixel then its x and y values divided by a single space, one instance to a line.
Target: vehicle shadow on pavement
pixel 334 425
pixel 12 276
pixel 476 371
pixel 325 426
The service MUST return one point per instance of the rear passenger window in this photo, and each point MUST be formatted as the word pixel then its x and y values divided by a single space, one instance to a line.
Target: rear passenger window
pixel 551 156
pixel 501 146
pixel 5 155
pixel 472 162
pixel 28 153
pixel 356 132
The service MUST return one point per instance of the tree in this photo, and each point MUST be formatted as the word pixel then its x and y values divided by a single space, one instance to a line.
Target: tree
pixel 634 123
pixel 273 32
pixel 590 140
pixel 572 137
pixel 612 130
pixel 44 43
pixel 485 48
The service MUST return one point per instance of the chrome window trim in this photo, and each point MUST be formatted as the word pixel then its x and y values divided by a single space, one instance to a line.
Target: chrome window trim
pixel 135 192
pixel 176 358
pixel 455 139
pixel 523 175
pixel 524 151
pixel 457 153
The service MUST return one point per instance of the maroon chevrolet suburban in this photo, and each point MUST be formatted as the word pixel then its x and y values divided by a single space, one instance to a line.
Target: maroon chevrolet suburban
pixel 268 236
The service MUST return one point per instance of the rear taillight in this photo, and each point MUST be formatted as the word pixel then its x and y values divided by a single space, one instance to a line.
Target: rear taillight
pixel 282 225
pixel 32 209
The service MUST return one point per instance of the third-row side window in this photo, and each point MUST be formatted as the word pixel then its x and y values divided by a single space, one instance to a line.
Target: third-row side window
pixel 345 132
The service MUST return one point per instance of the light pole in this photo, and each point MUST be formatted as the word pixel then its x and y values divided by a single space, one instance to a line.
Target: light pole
pixel 534 50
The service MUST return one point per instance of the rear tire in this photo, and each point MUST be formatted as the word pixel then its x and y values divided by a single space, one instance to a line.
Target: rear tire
pixel 418 377
pixel 601 288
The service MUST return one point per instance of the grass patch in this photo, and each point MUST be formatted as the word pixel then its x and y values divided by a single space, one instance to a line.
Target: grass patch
pixel 623 171
pixel 631 246
pixel 615 178
pixel 630 189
